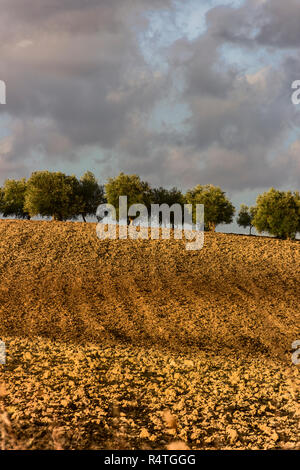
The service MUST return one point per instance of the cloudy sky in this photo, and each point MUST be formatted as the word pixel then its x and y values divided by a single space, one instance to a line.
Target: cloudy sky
pixel 181 92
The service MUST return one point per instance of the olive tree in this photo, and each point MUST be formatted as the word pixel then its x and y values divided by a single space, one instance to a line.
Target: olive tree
pixel 217 207
pixel 91 195
pixel 137 191
pixel 246 216
pixel 167 196
pixel 278 213
pixel 53 194
pixel 13 199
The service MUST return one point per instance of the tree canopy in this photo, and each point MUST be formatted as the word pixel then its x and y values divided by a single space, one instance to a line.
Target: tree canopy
pixel 167 196
pixel 63 197
pixel 13 198
pixel 217 207
pixel 52 194
pixel 91 195
pixel 136 190
pixel 246 216
pixel 278 213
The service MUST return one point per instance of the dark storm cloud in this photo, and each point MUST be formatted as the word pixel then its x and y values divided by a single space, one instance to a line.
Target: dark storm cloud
pixel 77 79
pixel 75 16
pixel 265 22
pixel 239 122
pixel 75 73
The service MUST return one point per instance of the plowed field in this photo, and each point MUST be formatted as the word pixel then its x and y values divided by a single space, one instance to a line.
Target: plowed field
pixel 139 343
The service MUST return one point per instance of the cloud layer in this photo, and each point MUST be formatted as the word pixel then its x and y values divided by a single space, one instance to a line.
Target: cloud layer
pixel 79 83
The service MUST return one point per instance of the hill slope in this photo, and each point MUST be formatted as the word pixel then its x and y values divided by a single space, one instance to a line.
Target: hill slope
pixel 60 281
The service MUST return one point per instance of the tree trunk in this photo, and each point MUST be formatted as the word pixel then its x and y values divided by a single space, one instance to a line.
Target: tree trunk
pixel 82 215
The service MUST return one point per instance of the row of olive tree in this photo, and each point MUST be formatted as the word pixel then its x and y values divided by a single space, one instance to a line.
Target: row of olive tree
pixel 51 194
pixel 218 208
pixel 62 197
pixel 276 212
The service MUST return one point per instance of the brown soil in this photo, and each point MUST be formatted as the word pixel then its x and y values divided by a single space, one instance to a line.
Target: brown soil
pixel 60 281
pixel 128 397
pixel 142 344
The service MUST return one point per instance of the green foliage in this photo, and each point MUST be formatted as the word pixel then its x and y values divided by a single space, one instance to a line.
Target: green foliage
pixel 246 216
pixel 53 194
pixel 217 207
pixel 91 194
pixel 12 199
pixel 167 196
pixel 64 197
pixel 278 213
pixel 137 191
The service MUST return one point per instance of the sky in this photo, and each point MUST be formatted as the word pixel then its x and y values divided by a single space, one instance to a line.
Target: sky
pixel 180 92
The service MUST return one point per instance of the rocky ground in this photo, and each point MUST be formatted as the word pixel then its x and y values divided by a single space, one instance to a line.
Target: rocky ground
pixel 142 344
pixel 58 396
